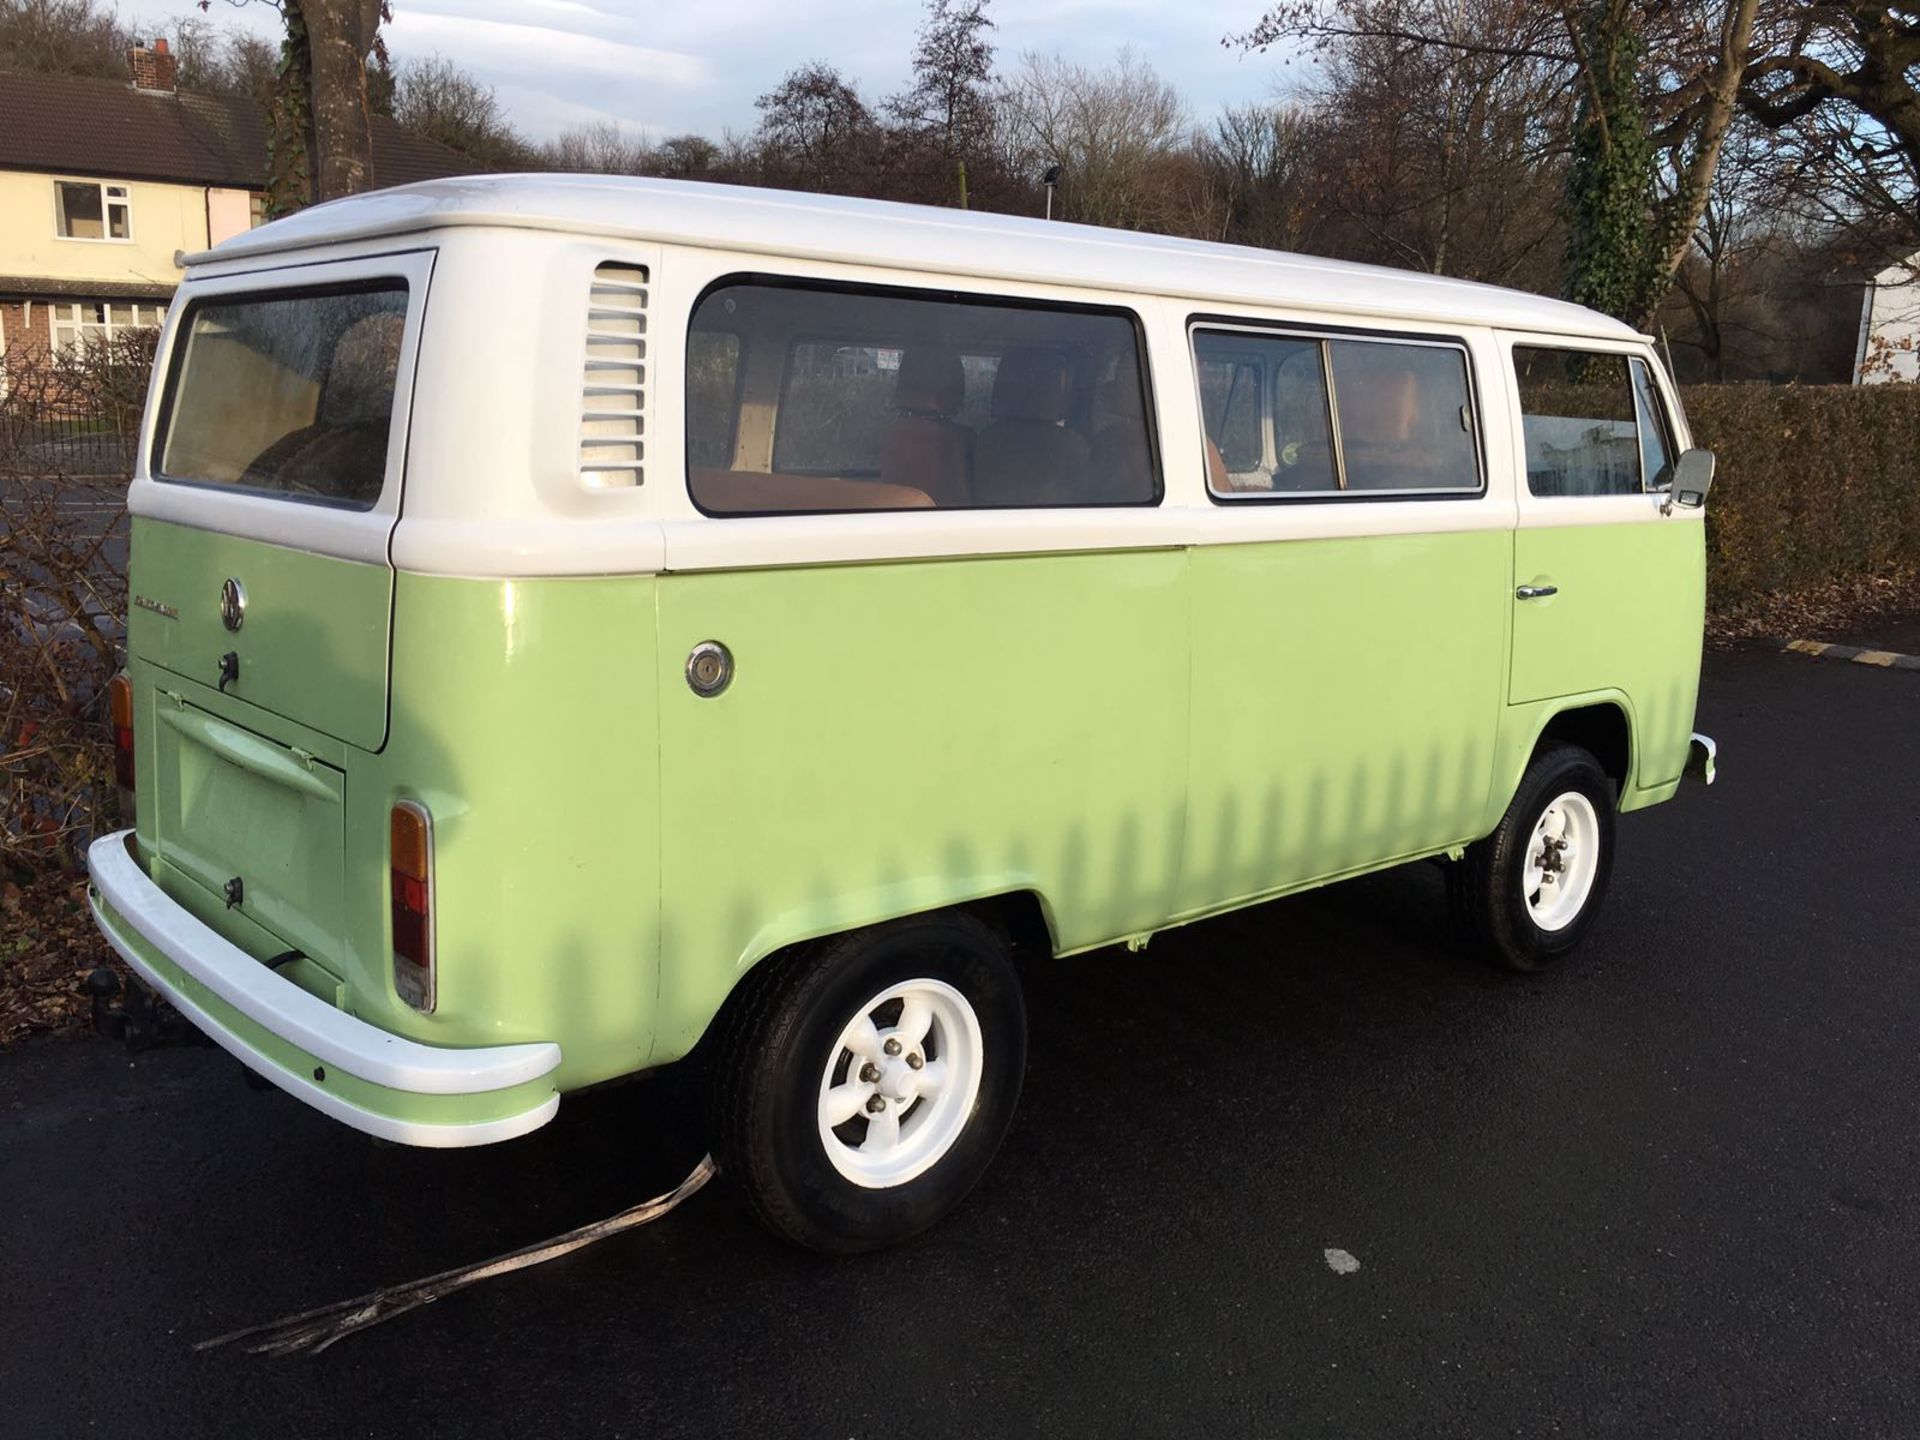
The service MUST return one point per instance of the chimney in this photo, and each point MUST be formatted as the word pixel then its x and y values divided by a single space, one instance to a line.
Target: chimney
pixel 152 69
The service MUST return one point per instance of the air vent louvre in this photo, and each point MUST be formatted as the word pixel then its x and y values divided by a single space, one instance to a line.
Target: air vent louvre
pixel 613 390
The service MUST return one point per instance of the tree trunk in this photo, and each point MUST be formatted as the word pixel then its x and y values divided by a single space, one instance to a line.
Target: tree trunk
pixel 1717 109
pixel 340 35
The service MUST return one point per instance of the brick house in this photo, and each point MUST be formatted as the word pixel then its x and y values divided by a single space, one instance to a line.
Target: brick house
pixel 103 183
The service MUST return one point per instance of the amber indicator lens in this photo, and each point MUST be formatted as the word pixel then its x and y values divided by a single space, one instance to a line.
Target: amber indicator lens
pixel 120 711
pixel 410 847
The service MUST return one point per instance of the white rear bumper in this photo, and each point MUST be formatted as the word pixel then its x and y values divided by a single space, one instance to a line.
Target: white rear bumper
pixel 156 935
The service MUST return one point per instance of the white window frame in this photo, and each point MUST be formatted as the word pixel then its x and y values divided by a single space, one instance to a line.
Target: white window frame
pixel 69 331
pixel 108 200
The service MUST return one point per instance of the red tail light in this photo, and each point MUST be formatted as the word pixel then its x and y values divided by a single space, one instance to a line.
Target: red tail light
pixel 410 848
pixel 120 710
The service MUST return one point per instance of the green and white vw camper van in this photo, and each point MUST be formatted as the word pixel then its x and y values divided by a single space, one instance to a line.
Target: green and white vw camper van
pixel 577 621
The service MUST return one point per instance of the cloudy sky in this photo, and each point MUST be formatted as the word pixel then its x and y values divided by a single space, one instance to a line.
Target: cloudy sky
pixel 671 67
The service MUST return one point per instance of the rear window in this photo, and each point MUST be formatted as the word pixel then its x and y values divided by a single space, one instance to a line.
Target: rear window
pixel 288 394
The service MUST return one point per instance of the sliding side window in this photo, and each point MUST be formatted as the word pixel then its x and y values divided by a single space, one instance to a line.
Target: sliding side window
pixel 839 398
pixel 1594 423
pixel 1299 416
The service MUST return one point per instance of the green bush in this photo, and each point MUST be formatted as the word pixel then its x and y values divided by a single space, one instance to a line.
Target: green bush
pixel 1816 485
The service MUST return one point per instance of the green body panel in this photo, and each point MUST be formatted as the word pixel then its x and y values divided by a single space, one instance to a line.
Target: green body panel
pixel 899 737
pixel 524 718
pixel 313 647
pixel 1135 737
pixel 1345 699
pixel 1626 621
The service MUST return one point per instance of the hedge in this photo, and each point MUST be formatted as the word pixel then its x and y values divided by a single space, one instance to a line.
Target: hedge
pixel 1816 484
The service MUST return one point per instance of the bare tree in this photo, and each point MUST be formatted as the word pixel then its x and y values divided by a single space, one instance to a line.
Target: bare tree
pixel 1445 157
pixel 62 37
pixel 214 61
pixel 687 157
pixel 1839 86
pixel 1114 133
pixel 1674 108
pixel 436 98
pixel 816 133
pixel 947 113
pixel 601 148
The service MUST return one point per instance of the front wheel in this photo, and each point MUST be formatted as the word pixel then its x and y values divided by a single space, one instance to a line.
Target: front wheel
pixel 1526 894
pixel 866 1083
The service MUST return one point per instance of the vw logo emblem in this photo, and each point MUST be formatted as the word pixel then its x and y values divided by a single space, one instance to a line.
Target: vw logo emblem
pixel 233 604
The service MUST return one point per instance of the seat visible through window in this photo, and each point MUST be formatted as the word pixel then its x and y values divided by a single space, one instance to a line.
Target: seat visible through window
pixel 1027 456
pixel 925 447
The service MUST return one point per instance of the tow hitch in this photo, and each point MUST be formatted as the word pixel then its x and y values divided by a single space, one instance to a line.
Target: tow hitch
pixel 135 1015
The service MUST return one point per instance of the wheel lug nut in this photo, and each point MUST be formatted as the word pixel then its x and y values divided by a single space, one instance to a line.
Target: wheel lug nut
pixel 914 1062
pixel 875 1104
pixel 892 1047
pixel 870 1072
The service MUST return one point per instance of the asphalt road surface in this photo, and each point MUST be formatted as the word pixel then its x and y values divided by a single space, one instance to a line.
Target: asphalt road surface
pixel 1667 1190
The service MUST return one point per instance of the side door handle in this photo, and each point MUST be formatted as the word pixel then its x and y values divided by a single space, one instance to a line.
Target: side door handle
pixel 1535 592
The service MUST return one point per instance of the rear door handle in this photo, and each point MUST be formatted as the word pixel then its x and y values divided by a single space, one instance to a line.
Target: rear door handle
pixel 1535 592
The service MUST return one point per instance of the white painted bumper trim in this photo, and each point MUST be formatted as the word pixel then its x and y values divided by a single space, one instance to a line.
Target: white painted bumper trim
pixel 386 1127
pixel 328 1034
pixel 1703 756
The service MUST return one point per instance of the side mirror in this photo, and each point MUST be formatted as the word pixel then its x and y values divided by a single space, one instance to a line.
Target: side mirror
pixel 1692 479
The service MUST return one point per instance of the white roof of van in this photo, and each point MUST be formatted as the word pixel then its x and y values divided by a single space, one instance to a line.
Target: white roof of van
pixel 913 237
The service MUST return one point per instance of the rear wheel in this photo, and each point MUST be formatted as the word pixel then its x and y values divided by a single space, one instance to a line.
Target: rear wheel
pixel 865 1083
pixel 1526 894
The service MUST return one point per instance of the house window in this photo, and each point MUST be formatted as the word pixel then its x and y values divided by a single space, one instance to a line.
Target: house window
pixel 90 210
pixel 256 209
pixel 75 326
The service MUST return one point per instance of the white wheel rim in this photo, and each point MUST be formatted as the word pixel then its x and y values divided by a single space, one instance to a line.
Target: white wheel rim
pixel 1563 857
pixel 900 1083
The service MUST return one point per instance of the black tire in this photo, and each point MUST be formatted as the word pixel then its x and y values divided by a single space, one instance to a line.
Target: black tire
pixel 1485 890
pixel 781 1035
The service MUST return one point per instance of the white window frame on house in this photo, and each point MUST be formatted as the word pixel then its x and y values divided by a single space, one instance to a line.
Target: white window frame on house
pixel 73 324
pixel 113 195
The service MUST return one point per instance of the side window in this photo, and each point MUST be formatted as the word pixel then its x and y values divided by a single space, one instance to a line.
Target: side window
pixel 1580 414
pixel 890 401
pixel 1230 401
pixel 1344 415
pixel 834 407
pixel 1406 423
pixel 713 396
